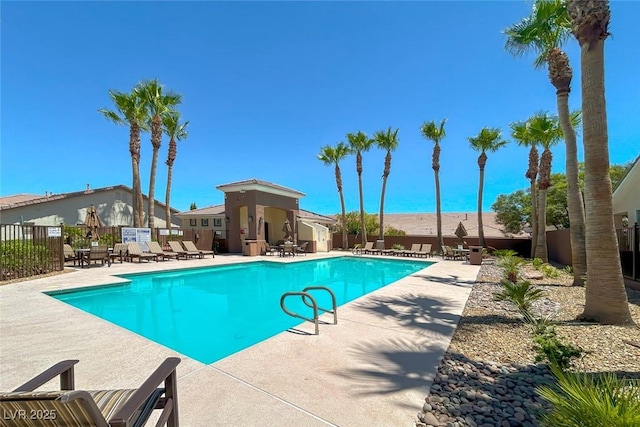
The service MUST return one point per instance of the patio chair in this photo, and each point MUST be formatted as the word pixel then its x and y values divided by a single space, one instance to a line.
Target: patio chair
pixel 302 249
pixel 120 251
pixel 99 253
pixel 135 251
pixel 270 250
pixel 448 253
pixel 415 247
pixel 425 250
pixel 357 249
pixel 101 408
pixel 70 254
pixel 155 248
pixel 191 247
pixel 177 248
pixel 287 249
pixel 368 248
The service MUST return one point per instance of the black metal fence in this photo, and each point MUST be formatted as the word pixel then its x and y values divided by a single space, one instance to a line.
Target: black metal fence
pixel 30 250
pixel 629 246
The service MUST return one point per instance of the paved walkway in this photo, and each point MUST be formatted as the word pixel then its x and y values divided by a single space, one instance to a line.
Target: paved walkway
pixel 372 369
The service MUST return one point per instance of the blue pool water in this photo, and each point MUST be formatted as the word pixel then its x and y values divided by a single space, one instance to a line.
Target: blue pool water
pixel 209 313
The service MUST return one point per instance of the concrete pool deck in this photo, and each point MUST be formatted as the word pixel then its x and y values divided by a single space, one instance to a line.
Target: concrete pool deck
pixel 372 369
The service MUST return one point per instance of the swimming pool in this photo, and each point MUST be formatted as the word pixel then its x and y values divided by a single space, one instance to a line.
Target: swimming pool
pixel 212 312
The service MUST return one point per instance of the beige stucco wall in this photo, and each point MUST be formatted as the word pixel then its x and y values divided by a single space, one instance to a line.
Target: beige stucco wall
pixel 113 206
pixel 626 198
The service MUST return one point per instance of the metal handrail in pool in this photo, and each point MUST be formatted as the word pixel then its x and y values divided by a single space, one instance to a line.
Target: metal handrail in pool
pixel 334 309
pixel 291 313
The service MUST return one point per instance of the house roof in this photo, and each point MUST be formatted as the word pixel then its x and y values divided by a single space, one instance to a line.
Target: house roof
pixel 259 185
pixel 11 202
pixel 635 164
pixel 208 210
pixel 308 215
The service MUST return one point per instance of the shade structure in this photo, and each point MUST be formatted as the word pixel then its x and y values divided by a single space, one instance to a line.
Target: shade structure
pixel 93 222
pixel 287 230
pixel 460 232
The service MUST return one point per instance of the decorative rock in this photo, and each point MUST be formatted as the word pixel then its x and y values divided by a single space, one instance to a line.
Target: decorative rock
pixel 430 419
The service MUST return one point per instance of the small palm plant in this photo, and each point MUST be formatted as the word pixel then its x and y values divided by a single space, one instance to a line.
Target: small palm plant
pixel 588 400
pixel 522 295
pixel 501 253
pixel 511 266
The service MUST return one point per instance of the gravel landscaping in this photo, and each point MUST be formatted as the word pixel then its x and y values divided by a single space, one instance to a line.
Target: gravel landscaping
pixel 489 374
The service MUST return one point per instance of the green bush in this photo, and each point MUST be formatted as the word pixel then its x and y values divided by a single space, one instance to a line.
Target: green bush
pixel 537 263
pixel 552 350
pixel 398 246
pixel 501 253
pixel 522 295
pixel 21 258
pixel 511 266
pixel 588 400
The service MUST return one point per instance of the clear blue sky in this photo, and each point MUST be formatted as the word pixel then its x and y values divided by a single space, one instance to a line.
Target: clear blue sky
pixel 266 84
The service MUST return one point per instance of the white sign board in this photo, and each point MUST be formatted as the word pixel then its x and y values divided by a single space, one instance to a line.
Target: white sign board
pixel 54 231
pixel 137 235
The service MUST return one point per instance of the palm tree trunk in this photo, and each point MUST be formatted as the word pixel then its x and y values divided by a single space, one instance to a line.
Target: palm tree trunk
pixel 363 228
pixel 167 197
pixel 435 165
pixel 605 295
pixel 482 160
pixel 138 200
pixel 541 240
pixel 534 218
pixel 134 151
pixel 345 242
pixel 574 196
pixel 152 188
pixel 134 193
pixel 385 175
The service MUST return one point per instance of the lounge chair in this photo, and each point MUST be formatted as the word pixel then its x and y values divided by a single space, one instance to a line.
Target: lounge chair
pixel 155 248
pixel 369 249
pixel 191 247
pixel 99 253
pixel 302 249
pixel 70 254
pixel 135 251
pixel 104 408
pixel 415 247
pixel 177 248
pixel 120 251
pixel 448 253
pixel 357 249
pixel 425 251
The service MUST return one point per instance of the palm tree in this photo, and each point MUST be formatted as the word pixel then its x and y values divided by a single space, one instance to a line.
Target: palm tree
pixel 520 133
pixel 176 131
pixel 544 130
pixel 436 133
pixel 130 111
pixel 489 139
pixel 359 143
pixel 544 32
pixel 605 295
pixel 386 140
pixel 333 156
pixel 157 104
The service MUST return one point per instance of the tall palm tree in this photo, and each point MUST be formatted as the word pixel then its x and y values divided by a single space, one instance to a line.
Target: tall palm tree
pixel 130 111
pixel 489 139
pixel 544 130
pixel 176 131
pixel 435 133
pixel 520 133
pixel 605 296
pixel 158 104
pixel 544 32
pixel 385 140
pixel 333 156
pixel 359 143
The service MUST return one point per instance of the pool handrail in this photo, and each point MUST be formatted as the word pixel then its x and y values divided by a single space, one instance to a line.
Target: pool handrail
pixel 334 309
pixel 291 313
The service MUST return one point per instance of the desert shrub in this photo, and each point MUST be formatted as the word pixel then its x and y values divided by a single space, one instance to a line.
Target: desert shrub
pixel 522 295
pixel 20 258
pixel 511 266
pixel 551 349
pixel 398 247
pixel 591 400
pixel 501 253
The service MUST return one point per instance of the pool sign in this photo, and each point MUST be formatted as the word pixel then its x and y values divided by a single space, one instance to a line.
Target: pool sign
pixel 137 235
pixel 54 231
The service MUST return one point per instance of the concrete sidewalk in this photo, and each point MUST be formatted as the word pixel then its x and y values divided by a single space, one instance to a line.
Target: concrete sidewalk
pixel 372 369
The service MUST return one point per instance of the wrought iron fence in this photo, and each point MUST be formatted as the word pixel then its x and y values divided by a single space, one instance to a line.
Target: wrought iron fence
pixel 29 250
pixel 629 246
